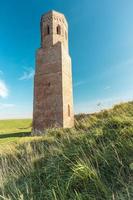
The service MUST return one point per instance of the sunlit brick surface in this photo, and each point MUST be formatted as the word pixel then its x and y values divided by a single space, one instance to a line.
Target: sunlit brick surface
pixel 53 95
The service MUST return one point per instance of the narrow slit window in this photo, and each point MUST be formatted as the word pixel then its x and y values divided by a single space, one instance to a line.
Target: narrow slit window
pixel 69 111
pixel 58 30
pixel 48 30
pixel 66 35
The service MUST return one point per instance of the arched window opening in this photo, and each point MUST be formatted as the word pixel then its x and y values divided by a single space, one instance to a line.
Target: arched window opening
pixel 47 30
pixel 69 112
pixel 58 30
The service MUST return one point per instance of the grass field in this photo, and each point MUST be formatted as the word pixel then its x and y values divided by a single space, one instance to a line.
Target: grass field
pixel 92 161
pixel 14 130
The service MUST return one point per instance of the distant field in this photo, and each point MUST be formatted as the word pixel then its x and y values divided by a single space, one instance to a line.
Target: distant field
pixel 13 130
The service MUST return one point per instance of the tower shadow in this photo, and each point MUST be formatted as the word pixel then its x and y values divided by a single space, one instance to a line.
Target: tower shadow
pixel 10 135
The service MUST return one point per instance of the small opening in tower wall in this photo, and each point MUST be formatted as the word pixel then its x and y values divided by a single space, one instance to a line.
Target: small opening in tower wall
pixel 58 30
pixel 69 112
pixel 48 30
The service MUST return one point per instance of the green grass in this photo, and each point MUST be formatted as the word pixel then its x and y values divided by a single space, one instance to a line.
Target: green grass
pixel 93 161
pixel 13 130
pixel 15 126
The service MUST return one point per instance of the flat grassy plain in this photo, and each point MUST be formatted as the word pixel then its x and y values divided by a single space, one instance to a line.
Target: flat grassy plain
pixel 92 161
pixel 15 126
pixel 14 130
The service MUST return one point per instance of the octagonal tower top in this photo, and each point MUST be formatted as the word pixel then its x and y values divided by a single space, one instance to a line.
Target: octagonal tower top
pixel 54 28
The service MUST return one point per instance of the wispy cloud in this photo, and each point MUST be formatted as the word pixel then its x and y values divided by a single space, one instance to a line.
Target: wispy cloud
pixel 27 74
pixel 107 87
pixel 3 106
pixel 3 89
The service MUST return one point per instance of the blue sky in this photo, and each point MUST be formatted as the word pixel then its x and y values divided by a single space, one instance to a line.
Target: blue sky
pixel 101 47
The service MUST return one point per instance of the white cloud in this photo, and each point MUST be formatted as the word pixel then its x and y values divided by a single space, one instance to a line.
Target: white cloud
pixel 3 106
pixel 3 89
pixel 27 74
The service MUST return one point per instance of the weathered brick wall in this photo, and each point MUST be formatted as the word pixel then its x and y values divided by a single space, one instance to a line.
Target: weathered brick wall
pixel 67 89
pixel 53 78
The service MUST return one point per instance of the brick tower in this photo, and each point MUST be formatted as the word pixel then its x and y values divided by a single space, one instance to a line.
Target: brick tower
pixel 53 95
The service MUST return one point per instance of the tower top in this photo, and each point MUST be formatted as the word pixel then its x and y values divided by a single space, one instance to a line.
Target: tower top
pixel 54 28
pixel 52 14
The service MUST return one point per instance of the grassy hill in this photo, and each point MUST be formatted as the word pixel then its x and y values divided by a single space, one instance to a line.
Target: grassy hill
pixel 93 161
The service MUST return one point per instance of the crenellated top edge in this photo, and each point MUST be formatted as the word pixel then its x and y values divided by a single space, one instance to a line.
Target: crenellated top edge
pixel 49 15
